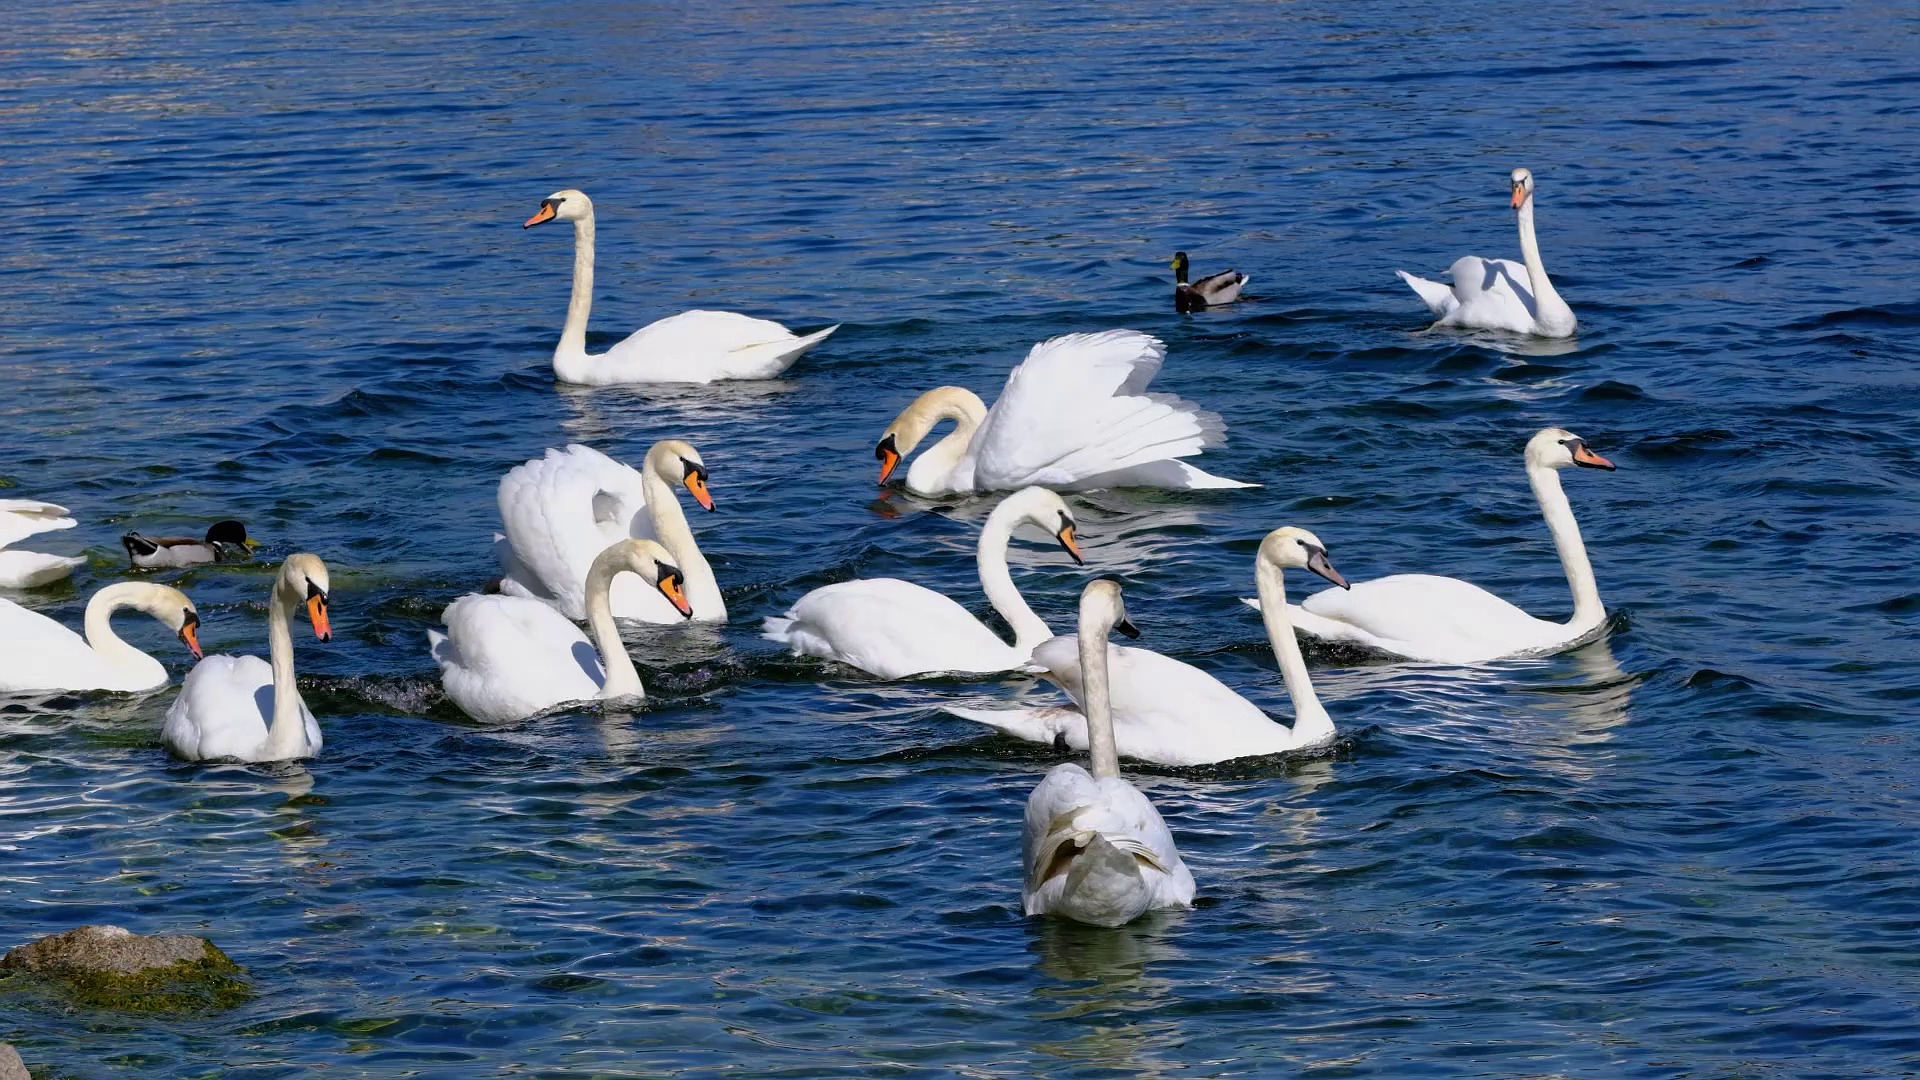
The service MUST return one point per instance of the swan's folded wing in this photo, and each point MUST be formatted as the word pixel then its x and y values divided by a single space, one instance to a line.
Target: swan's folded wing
pixel 24 633
pixel 31 569
pixel 560 511
pixel 1437 616
pixel 891 628
pixel 21 518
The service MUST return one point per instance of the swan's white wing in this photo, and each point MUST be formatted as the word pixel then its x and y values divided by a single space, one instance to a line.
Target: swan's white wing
pixel 37 653
pixel 1438 298
pixel 1493 294
pixel 560 511
pixel 31 569
pixel 702 346
pixel 222 711
pixel 1428 617
pixel 1076 408
pixel 21 518
pixel 890 628
pixel 507 657
pixel 1097 851
pixel 1164 710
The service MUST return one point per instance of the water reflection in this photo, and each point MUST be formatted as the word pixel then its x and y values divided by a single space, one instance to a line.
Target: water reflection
pixel 1099 972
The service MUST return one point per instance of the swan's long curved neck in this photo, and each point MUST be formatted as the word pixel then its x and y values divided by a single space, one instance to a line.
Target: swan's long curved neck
pixel 1549 310
pixel 997 581
pixel 1588 612
pixel 1311 724
pixel 573 336
pixel 623 679
pixel 99 623
pixel 1103 752
pixel 286 737
pixel 958 404
pixel 670 525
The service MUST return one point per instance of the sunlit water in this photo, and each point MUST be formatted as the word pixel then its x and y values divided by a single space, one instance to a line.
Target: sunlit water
pixel 265 261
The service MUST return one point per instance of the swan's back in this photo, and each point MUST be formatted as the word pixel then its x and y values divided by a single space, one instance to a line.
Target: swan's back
pixel 891 628
pixel 1165 710
pixel 506 657
pixel 1430 617
pixel 702 346
pixel 21 518
pixel 1135 868
pixel 223 710
pixel 560 511
pixel 37 653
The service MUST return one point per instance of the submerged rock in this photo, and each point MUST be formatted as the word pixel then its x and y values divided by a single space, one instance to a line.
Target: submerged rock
pixel 107 967
pixel 11 1067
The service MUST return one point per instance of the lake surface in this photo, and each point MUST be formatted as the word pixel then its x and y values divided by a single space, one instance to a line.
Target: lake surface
pixel 265 260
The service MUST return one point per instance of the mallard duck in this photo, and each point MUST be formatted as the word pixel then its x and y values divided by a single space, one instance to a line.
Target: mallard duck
pixel 225 540
pixel 1210 291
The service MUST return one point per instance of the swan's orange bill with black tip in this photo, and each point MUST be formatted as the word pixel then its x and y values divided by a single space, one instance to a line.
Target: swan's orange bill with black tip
pixel 1519 196
pixel 888 456
pixel 545 213
pixel 317 613
pixel 697 487
pixel 674 590
pixel 190 633
pixel 1065 536
pixel 1584 456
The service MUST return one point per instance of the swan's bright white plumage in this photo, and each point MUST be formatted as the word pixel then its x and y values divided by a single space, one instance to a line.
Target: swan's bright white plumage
pixel 560 511
pixel 504 658
pixel 1173 713
pixel 1095 849
pixel 691 347
pixel 893 628
pixel 243 708
pixel 37 653
pixel 19 519
pixel 1075 415
pixel 1500 294
pixel 1448 621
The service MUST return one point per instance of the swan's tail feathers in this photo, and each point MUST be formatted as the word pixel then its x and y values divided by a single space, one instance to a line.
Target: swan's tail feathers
pixel 21 518
pixel 441 649
pixel 771 358
pixel 31 569
pixel 1199 478
pixel 1438 298
pixel 1051 724
pixel 778 628
pixel 1089 876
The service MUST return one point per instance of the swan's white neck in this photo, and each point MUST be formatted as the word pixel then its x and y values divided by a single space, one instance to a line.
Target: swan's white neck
pixel 1551 312
pixel 670 525
pixel 573 336
pixel 1587 609
pixel 1311 724
pixel 287 735
pixel 1103 752
pixel 997 582
pixel 106 644
pixel 929 471
pixel 623 679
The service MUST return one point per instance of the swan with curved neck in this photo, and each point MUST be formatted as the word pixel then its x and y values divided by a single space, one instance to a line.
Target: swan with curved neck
pixel 1499 294
pixel 1075 415
pixel 222 713
pixel 1172 713
pixel 508 657
pixel 19 519
pixel 893 628
pixel 562 510
pixel 691 347
pixel 41 654
pixel 1096 850
pixel 1449 621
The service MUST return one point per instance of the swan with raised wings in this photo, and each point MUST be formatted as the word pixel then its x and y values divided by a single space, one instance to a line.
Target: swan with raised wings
pixel 242 708
pixel 1075 415
pixel 1500 294
pixel 37 653
pixel 19 519
pixel 1445 620
pixel 893 628
pixel 1096 850
pixel 562 510
pixel 691 347
pixel 504 658
pixel 1173 713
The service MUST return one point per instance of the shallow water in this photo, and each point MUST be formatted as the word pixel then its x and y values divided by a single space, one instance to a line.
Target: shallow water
pixel 265 260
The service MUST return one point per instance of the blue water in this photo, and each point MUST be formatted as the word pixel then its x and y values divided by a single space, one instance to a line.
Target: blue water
pixel 264 260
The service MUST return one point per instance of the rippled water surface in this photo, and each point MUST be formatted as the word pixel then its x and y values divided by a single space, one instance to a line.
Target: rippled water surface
pixel 265 260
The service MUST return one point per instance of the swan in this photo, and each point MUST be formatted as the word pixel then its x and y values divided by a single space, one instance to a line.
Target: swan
pixel 19 519
pixel 1173 713
pixel 224 540
pixel 893 628
pixel 562 510
pixel 1500 294
pixel 37 653
pixel 505 658
pixel 1096 850
pixel 1445 620
pixel 240 708
pixel 691 347
pixel 1074 415
pixel 1214 290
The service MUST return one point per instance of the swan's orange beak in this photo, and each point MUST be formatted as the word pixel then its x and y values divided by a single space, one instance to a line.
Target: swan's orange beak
pixel 888 456
pixel 1066 541
pixel 317 613
pixel 190 633
pixel 1519 197
pixel 546 214
pixel 1584 456
pixel 673 589
pixel 697 487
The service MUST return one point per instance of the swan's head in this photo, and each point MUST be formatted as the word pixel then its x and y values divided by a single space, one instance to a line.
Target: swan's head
pixel 678 463
pixel 564 205
pixel 1557 448
pixel 1038 506
pixel 230 533
pixel 655 567
pixel 1522 187
pixel 903 436
pixel 175 612
pixel 1102 597
pixel 1297 549
pixel 304 577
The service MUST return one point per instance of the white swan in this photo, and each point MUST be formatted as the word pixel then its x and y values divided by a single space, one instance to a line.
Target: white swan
pixel 893 628
pixel 240 707
pixel 504 658
pixel 691 347
pixel 562 510
pixel 1500 294
pixel 19 519
pixel 37 653
pixel 1448 621
pixel 1096 851
pixel 1074 415
pixel 1173 713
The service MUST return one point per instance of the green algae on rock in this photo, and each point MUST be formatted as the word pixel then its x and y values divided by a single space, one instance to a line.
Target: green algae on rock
pixel 107 967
